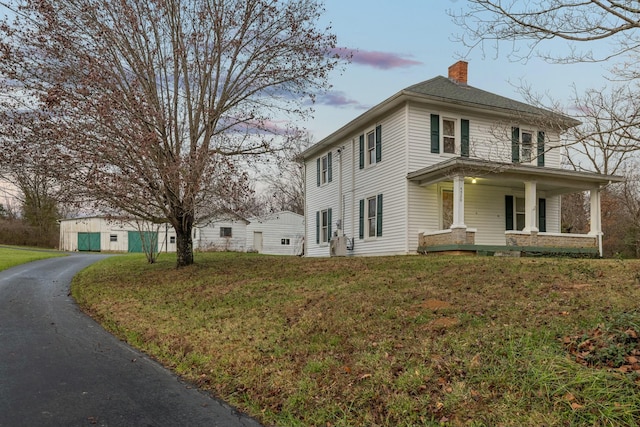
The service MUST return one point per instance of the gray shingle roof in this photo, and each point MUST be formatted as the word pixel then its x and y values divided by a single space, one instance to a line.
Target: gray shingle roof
pixel 448 90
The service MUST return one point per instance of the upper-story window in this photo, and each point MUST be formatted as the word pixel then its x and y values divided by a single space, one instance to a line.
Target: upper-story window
pixel 449 135
pixel 371 147
pixel 324 169
pixel 527 146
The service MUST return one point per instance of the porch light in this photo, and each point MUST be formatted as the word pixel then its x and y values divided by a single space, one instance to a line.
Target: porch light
pixel 473 180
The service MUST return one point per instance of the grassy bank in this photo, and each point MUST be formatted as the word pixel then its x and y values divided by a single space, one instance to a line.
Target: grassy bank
pixel 10 257
pixel 395 341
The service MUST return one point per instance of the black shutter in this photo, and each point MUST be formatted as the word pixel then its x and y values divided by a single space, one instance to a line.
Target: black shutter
pixel 515 145
pixel 542 215
pixel 329 224
pixel 318 171
pixel 378 143
pixel 329 167
pixel 508 212
pixel 435 133
pixel 379 216
pixel 362 151
pixel 540 148
pixel 317 227
pixel 464 138
pixel 361 221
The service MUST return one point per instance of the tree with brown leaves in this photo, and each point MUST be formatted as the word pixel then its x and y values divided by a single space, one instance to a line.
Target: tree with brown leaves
pixel 151 103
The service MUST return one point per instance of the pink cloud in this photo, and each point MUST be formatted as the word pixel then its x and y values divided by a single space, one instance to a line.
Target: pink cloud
pixel 381 60
pixel 337 99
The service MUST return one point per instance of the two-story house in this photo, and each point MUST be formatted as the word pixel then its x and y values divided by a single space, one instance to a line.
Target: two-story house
pixel 443 166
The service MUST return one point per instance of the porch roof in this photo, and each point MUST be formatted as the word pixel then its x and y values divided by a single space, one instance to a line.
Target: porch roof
pixel 552 180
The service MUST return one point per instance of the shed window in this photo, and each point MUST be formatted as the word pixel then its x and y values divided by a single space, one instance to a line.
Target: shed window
pixel 113 237
pixel 285 241
pixel 172 239
pixel 225 231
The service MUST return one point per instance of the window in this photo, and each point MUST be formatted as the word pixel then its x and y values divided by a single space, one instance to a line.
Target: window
pixel 371 217
pixel 519 213
pixel 448 136
pixel 225 231
pixel 172 239
pixel 527 146
pixel 371 147
pixel 515 213
pixel 285 241
pixel 323 226
pixel 324 169
pixel 113 238
pixel 447 209
pixel 324 233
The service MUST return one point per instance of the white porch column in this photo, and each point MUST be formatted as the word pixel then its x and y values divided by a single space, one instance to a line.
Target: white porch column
pixel 596 217
pixel 458 202
pixel 530 206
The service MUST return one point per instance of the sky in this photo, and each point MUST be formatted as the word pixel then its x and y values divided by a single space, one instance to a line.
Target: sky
pixel 400 43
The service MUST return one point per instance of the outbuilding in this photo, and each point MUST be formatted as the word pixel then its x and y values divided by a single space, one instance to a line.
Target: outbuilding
pixel 279 233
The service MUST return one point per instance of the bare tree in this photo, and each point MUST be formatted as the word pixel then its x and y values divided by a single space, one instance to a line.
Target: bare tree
pixel 496 22
pixel 152 103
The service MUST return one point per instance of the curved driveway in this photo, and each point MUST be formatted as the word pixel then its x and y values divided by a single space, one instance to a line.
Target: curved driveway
pixel 59 368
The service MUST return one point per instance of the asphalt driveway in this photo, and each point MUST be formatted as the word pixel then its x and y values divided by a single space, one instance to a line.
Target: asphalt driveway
pixel 60 368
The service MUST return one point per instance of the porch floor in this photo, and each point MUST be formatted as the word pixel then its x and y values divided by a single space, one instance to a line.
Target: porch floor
pixel 491 250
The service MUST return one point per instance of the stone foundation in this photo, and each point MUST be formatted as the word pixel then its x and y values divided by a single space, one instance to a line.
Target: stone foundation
pixel 550 240
pixel 455 236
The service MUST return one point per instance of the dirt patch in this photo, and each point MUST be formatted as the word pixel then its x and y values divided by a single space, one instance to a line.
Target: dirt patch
pixel 443 323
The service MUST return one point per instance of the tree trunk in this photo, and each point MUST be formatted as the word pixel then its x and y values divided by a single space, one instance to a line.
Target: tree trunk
pixel 184 245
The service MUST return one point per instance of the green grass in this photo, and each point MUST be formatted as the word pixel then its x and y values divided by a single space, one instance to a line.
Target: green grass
pixel 393 341
pixel 10 257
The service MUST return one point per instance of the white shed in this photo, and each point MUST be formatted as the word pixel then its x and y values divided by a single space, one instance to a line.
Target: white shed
pixel 221 235
pixel 280 233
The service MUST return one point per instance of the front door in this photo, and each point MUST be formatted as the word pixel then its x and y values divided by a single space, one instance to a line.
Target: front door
pixel 257 241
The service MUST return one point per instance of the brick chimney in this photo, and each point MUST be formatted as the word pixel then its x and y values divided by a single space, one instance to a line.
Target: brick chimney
pixel 458 72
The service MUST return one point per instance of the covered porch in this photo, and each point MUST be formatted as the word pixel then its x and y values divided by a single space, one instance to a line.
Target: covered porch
pixel 519 197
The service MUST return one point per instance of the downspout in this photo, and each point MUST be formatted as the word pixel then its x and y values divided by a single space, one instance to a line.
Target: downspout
pixel 305 240
pixel 340 226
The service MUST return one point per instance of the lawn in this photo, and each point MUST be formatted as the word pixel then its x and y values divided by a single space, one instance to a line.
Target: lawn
pixel 10 257
pixel 391 341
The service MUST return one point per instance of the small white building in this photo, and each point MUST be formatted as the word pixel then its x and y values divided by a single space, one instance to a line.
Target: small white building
pixel 221 235
pixel 280 233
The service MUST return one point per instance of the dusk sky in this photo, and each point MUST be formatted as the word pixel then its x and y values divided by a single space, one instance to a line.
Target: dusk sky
pixel 403 42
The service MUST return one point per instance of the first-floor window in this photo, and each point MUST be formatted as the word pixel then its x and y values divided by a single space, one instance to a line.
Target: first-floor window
pixel 225 231
pixel 323 226
pixel 371 217
pixel 285 241
pixel 113 238
pixel 516 213
pixel 447 209
pixel 324 232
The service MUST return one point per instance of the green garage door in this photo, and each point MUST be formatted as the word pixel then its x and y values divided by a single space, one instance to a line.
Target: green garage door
pixel 135 240
pixel 89 242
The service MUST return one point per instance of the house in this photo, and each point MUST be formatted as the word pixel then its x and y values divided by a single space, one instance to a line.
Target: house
pixel 442 166
pixel 279 233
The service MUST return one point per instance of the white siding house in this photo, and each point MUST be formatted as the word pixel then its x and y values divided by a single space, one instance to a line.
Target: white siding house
pixel 280 233
pixel 444 166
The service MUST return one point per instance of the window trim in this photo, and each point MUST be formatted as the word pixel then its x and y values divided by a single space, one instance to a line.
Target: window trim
pixel 365 219
pixel 370 156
